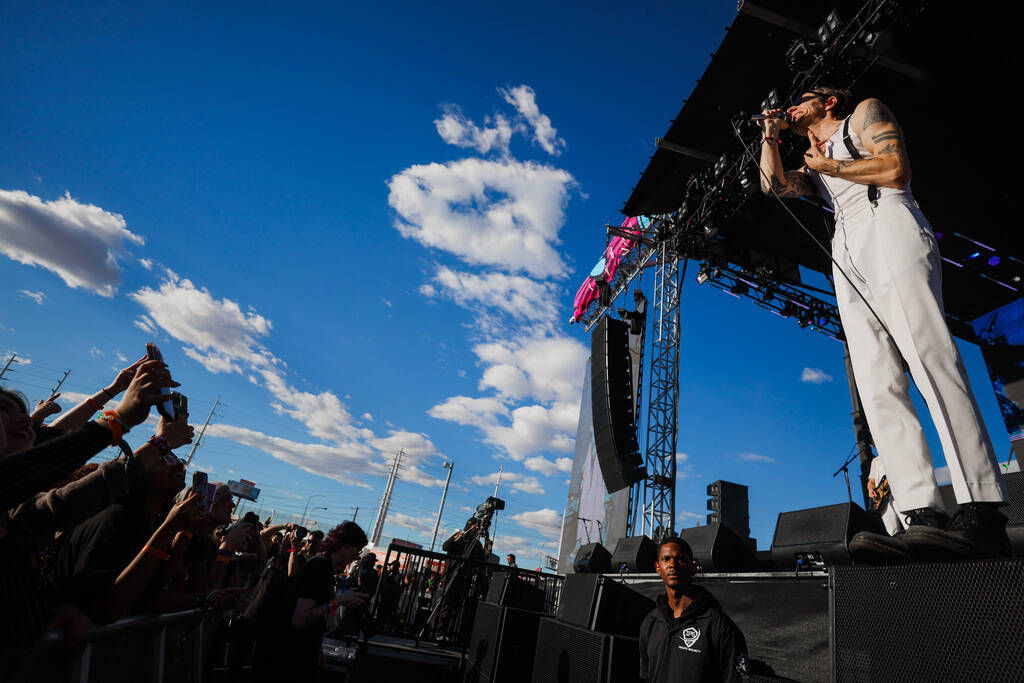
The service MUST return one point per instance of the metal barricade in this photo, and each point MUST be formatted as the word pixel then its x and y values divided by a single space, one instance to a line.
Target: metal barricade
pixel 166 647
pixel 430 596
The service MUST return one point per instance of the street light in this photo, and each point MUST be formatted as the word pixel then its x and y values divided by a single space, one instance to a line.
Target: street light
pixel 448 466
pixel 311 512
pixel 306 509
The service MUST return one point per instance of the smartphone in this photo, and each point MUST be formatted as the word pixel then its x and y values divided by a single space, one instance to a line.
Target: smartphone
pixel 180 403
pixel 165 408
pixel 200 484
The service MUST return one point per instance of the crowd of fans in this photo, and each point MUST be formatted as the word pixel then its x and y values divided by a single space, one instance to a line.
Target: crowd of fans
pixel 82 545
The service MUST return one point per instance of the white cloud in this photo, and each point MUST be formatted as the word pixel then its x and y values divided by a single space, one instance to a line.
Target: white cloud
pixel 517 482
pixel 81 243
pixel 422 525
pixel 754 457
pixel 146 263
pixel 38 297
pixel 455 129
pixel 343 463
pixel 815 376
pixel 367 417
pixel 95 352
pixel 217 333
pixel 120 356
pixel 503 213
pixel 524 99
pixel 543 367
pixel 515 295
pixel 546 521
pixel 539 463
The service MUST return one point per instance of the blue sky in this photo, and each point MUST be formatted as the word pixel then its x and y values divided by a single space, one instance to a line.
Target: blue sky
pixel 362 228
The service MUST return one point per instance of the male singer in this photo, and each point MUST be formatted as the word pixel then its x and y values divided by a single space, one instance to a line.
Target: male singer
pixel 888 282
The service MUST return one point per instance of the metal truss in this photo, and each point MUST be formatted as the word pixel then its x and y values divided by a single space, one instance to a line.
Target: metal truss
pixel 659 487
pixel 778 297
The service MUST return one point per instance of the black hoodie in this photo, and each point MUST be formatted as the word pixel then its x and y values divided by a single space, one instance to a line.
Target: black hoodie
pixel 701 646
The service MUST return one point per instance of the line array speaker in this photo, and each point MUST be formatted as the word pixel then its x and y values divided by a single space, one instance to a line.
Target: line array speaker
pixel 611 391
pixel 510 590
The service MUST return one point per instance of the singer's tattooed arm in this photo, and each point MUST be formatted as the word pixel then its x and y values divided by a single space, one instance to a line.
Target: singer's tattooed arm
pixel 886 163
pixel 796 184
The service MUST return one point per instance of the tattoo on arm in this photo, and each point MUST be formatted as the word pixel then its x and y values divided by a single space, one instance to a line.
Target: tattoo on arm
pixel 887 135
pixel 891 148
pixel 838 166
pixel 876 112
pixel 796 184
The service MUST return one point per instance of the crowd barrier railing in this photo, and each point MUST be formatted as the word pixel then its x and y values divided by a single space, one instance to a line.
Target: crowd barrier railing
pixel 430 596
pixel 165 647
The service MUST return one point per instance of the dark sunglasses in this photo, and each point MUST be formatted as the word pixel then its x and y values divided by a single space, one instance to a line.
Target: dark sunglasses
pixel 813 96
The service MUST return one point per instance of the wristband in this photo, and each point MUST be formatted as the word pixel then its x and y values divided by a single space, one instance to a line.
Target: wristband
pixel 117 428
pixel 186 535
pixel 768 139
pixel 161 443
pixel 150 550
pixel 94 405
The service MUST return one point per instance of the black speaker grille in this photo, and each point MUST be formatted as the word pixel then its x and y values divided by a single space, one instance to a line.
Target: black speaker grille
pixel 929 622
pixel 484 643
pixel 568 654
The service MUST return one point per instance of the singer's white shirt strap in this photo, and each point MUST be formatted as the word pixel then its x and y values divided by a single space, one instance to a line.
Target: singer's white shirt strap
pixel 890 254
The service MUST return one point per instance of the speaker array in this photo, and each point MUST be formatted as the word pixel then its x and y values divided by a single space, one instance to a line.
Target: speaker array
pixel 611 388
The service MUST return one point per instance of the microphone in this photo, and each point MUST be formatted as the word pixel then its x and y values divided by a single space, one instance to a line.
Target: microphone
pixel 782 116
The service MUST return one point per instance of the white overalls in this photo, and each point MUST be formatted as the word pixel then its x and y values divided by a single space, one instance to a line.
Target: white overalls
pixel 889 252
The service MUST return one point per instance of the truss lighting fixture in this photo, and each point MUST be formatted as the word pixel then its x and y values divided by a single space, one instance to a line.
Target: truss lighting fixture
pixel 829 28
pixel 702 274
pixel 993 261
pixel 801 56
pixel 771 101
pixel 720 165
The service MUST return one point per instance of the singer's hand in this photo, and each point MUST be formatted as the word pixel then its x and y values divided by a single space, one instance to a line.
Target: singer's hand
pixel 815 160
pixel 773 126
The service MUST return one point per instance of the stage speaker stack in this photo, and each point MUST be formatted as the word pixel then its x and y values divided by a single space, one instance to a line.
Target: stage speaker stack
pixel 949 621
pixel 503 644
pixel 572 654
pixel 508 589
pixel 717 548
pixel 819 537
pixel 635 554
pixel 729 505
pixel 592 558
pixel 611 390
pixel 601 603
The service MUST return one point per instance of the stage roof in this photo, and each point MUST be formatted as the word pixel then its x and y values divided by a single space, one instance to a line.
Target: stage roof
pixel 949 84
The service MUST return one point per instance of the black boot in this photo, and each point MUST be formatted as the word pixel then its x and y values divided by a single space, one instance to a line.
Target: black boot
pixel 977 530
pixel 867 547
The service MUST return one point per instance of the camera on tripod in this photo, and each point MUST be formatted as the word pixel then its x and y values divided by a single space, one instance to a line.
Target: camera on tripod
pixel 486 509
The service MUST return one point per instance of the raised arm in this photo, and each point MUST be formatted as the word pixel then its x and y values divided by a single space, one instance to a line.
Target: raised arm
pixel 774 179
pixel 889 165
pixel 80 414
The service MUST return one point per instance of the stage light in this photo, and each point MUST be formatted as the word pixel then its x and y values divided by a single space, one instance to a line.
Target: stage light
pixel 975 255
pixel 827 30
pixel 771 101
pixel 709 232
pixel 702 274
pixel 721 164
pixel 993 260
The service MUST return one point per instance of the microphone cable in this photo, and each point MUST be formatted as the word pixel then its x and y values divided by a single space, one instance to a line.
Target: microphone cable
pixel 747 153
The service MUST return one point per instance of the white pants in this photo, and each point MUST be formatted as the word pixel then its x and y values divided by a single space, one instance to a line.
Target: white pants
pixel 892 258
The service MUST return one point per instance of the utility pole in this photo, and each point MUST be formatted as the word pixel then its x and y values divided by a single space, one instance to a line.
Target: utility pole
pixel 382 514
pixel 61 382
pixel 201 432
pixel 494 517
pixel 437 524
pixel 355 514
pixel 9 361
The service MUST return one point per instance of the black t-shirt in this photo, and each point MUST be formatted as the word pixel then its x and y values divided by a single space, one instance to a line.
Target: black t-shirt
pixel 96 553
pixel 314 582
